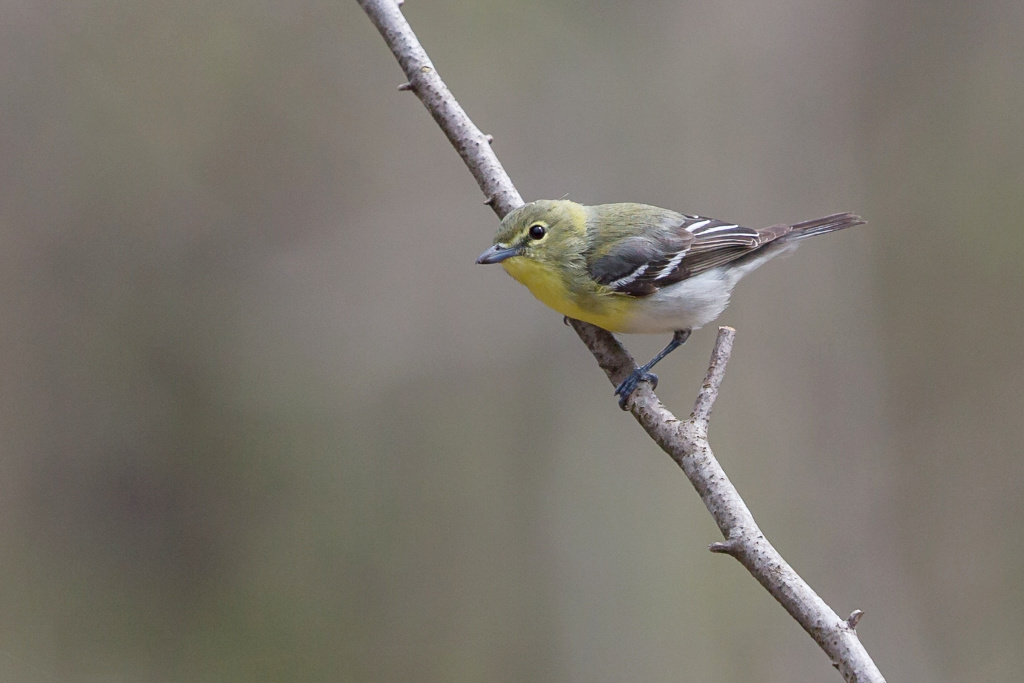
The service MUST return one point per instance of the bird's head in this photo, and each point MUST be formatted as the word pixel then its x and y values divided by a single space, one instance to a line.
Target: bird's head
pixel 548 234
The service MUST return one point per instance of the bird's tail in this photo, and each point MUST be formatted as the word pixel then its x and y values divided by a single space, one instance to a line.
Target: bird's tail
pixel 820 226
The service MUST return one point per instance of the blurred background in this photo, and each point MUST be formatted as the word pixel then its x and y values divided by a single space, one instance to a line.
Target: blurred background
pixel 262 418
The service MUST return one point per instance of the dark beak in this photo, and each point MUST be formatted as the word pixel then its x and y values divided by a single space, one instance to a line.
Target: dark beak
pixel 498 253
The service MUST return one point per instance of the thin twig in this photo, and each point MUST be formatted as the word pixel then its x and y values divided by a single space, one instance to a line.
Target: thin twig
pixel 716 373
pixel 686 442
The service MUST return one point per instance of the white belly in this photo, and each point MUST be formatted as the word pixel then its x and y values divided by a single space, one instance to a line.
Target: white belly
pixel 689 304
pixel 698 300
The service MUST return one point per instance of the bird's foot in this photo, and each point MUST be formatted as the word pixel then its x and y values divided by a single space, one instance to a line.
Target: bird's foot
pixel 629 385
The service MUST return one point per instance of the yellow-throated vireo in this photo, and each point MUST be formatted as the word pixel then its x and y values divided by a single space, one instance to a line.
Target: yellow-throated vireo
pixel 638 268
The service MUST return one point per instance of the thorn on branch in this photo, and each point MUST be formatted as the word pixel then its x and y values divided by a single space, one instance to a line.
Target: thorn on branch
pixel 399 2
pixel 405 86
pixel 729 547
pixel 854 618
pixel 490 139
pixel 732 545
pixel 490 201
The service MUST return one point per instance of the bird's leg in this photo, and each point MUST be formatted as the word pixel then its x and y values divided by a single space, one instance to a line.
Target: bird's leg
pixel 644 374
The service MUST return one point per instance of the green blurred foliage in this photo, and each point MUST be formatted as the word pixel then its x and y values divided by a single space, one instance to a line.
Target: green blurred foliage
pixel 263 419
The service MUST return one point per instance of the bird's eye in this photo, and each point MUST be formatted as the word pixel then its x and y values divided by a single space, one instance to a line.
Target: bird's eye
pixel 536 231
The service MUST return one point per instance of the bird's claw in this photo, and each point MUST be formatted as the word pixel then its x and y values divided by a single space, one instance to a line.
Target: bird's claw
pixel 629 385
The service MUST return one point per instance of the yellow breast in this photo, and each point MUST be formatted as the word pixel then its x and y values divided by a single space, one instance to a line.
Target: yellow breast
pixel 602 308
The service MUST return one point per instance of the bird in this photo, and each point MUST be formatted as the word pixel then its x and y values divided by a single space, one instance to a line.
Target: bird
pixel 636 268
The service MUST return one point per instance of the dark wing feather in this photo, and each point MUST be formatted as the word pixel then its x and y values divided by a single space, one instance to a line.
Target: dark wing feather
pixel 642 264
pixel 674 247
pixel 647 235
pixel 715 243
pixel 626 265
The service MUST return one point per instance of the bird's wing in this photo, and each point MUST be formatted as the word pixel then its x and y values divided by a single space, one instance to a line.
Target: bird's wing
pixel 639 265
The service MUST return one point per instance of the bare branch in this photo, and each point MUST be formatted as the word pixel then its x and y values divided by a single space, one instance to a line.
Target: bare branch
pixel 471 144
pixel 716 373
pixel 686 442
